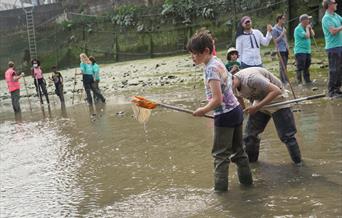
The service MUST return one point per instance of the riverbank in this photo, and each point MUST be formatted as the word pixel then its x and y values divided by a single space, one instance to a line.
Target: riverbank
pixel 159 76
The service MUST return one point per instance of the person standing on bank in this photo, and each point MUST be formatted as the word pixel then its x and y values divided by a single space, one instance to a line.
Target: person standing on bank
pixel 302 48
pixel 249 41
pixel 88 79
pixel 39 81
pixel 332 28
pixel 261 87
pixel 279 35
pixel 96 75
pixel 13 84
pixel 58 81
pixel 228 115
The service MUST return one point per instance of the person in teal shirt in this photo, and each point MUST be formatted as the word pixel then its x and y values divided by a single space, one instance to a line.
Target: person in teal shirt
pixel 96 75
pixel 302 48
pixel 332 28
pixel 87 73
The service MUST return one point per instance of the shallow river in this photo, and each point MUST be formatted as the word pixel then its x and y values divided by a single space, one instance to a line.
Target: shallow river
pixel 69 164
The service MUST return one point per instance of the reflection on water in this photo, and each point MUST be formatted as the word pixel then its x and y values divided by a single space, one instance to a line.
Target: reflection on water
pixel 71 163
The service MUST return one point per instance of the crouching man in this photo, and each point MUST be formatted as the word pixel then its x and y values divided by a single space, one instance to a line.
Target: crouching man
pixel 261 87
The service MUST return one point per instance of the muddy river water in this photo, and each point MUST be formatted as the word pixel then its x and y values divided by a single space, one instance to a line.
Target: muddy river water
pixel 65 163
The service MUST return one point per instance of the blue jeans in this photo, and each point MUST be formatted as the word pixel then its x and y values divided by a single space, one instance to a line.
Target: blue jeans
pixel 243 65
pixel 88 84
pixel 303 62
pixel 15 96
pixel 40 85
pixel 335 70
pixel 286 129
pixel 284 55
pixel 97 92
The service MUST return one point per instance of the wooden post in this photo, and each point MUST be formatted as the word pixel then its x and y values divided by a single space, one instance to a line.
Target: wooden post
pixel 56 47
pixel 151 44
pixel 188 34
pixel 289 17
pixel 116 47
pixel 234 27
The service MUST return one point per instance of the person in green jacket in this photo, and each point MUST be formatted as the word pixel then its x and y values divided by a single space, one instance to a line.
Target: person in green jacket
pixel 302 48
pixel 233 65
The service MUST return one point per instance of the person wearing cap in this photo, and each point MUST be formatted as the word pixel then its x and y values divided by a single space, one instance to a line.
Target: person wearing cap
pixel 233 65
pixel 13 84
pixel 261 87
pixel 249 41
pixel 332 28
pixel 302 48
pixel 282 46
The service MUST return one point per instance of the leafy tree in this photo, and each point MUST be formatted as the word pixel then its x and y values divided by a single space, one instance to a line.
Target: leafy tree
pixel 188 10
pixel 125 16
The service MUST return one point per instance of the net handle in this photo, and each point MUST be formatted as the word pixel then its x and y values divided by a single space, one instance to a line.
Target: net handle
pixel 182 110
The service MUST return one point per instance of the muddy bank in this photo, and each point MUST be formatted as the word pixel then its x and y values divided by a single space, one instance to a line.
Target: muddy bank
pixel 121 78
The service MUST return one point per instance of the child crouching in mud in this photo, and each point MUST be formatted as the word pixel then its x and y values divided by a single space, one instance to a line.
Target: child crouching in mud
pixel 228 114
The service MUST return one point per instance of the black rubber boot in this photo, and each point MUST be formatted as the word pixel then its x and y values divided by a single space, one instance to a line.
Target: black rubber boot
pixel 221 181
pixel 252 152
pixel 294 152
pixel 244 172
pixel 299 76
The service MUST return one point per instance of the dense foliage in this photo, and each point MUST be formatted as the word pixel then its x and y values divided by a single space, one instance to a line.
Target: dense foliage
pixel 182 11
pixel 125 16
pixel 188 10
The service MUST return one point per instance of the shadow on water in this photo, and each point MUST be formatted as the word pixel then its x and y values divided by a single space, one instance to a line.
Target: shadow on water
pixel 100 162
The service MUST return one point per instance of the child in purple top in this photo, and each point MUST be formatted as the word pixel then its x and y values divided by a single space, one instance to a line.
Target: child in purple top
pixel 228 115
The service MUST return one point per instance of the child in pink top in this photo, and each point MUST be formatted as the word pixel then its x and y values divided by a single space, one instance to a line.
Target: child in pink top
pixel 39 81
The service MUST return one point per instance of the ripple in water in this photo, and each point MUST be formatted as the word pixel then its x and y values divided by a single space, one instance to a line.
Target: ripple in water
pixel 172 202
pixel 37 171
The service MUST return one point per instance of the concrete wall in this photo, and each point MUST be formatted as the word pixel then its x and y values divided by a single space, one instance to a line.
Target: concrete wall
pixel 15 19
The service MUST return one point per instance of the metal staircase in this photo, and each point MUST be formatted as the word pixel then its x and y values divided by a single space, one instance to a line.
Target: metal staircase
pixel 31 33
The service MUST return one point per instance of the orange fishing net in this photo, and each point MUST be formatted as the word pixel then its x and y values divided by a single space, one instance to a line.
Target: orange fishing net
pixel 142 108
pixel 143 102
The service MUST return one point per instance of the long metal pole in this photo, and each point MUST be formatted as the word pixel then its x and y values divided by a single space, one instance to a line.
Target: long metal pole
pixel 73 91
pixel 283 66
pixel 295 100
pixel 182 109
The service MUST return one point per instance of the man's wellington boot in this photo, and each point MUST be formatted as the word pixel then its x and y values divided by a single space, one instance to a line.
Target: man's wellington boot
pixel 253 153
pixel 294 152
pixel 221 182
pixel 244 172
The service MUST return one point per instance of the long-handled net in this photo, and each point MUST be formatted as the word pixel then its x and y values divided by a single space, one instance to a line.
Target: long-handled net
pixel 141 114
pixel 142 108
